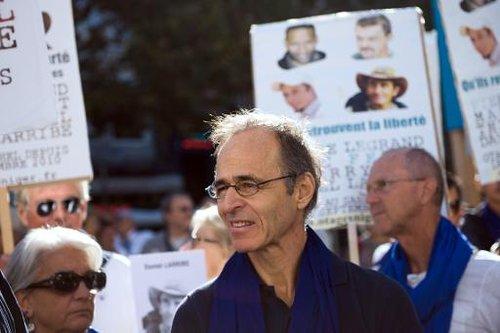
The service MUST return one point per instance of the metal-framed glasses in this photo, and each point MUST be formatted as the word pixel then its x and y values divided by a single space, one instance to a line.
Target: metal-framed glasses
pixel 68 281
pixel 381 185
pixel 245 188
pixel 47 207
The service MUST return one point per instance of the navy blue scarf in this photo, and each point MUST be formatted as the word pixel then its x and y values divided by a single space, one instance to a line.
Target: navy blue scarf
pixel 492 222
pixel 237 305
pixel 433 297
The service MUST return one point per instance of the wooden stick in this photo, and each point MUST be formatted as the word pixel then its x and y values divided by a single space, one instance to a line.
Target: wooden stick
pixel 5 222
pixel 352 238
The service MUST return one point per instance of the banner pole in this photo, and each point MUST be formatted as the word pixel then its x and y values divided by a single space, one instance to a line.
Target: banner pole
pixel 5 222
pixel 352 237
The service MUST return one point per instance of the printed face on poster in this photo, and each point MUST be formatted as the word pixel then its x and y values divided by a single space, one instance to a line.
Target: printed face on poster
pixel 472 33
pixel 59 150
pixel 161 281
pixel 25 85
pixel 360 81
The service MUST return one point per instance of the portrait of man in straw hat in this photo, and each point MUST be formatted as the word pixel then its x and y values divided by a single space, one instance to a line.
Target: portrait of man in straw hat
pixel 379 91
pixel 165 302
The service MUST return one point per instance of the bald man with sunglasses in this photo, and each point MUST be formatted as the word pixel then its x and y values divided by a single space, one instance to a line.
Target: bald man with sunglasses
pixel 66 204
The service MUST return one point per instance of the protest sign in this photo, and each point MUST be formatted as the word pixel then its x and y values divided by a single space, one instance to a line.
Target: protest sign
pixel 361 81
pixel 472 31
pixel 59 150
pixel 26 93
pixel 161 281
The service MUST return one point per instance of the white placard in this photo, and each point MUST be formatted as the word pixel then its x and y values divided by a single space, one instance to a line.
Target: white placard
pixel 161 281
pixel 473 35
pixel 25 87
pixel 60 150
pixel 334 77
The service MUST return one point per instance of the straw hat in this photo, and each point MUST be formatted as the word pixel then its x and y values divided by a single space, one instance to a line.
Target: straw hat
pixel 383 73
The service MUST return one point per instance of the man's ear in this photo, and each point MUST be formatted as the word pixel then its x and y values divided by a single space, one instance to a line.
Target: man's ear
pixel 22 212
pixel 304 189
pixel 428 189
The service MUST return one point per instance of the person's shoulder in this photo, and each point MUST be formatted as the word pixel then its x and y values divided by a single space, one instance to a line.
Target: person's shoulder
pixel 284 62
pixel 385 306
pixel 154 243
pixel 486 262
pixel 194 312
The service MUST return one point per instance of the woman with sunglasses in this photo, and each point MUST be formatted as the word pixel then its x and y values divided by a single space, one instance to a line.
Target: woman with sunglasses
pixel 55 275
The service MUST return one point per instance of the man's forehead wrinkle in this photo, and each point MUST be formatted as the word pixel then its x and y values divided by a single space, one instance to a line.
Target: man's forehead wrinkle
pixel 243 177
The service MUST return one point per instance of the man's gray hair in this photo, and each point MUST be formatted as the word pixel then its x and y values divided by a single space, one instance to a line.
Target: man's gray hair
pixel 22 195
pixel 26 259
pixel 299 153
pixel 375 20
pixel 421 164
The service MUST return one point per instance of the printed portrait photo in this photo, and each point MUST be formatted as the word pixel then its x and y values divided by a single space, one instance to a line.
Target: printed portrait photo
pixel 300 43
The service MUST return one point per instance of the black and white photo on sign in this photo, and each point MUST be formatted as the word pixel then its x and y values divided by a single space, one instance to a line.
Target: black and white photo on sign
pixel 161 281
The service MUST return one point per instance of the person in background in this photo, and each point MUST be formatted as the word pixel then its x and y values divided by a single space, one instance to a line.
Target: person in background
pixel 55 274
pixel 282 277
pixel 66 204
pixel 177 210
pixel 211 234
pixel 454 288
pixel 128 239
pixel 455 203
pixel 482 224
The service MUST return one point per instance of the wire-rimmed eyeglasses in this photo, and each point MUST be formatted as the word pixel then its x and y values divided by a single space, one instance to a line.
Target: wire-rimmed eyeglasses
pixel 245 188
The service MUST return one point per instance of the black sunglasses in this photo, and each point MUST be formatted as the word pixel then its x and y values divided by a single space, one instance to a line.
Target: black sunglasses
pixel 68 282
pixel 47 207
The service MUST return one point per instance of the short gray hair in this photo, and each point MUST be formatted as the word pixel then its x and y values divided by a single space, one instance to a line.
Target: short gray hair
pixel 299 153
pixel 22 195
pixel 25 261
pixel 209 217
pixel 420 163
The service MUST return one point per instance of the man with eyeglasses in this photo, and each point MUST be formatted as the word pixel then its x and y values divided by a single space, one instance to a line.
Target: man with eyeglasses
pixel 66 204
pixel 177 210
pixel 453 287
pixel 282 277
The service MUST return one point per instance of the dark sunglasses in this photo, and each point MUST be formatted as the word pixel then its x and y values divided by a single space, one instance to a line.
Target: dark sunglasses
pixel 68 282
pixel 47 207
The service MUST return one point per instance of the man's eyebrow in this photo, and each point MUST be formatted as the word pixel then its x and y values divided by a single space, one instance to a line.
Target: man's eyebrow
pixel 238 178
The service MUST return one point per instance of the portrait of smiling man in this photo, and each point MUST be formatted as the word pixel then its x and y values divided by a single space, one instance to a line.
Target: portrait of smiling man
pixel 282 277
pixel 300 42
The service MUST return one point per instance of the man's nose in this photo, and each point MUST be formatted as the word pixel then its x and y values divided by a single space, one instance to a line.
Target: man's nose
pixel 60 215
pixel 231 201
pixel 371 197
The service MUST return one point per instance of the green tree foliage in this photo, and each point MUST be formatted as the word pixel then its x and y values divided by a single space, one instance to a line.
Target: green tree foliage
pixel 171 63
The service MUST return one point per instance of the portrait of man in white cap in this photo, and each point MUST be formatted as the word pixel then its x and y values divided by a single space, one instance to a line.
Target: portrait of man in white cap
pixel 485 43
pixel 165 302
pixel 299 94
pixel 379 91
